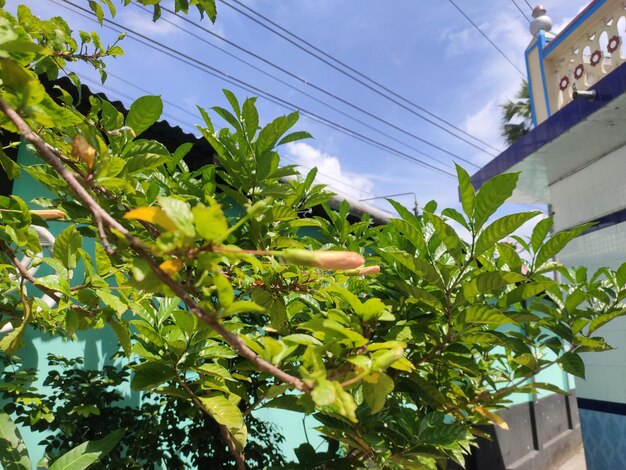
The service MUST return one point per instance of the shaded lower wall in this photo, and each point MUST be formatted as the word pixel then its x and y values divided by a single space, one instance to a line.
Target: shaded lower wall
pixel 604 432
pixel 541 434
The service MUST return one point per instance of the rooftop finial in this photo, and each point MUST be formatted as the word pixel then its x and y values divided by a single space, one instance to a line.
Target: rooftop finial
pixel 541 21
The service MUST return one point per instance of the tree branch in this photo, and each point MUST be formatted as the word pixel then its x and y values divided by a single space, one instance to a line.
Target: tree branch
pixel 143 251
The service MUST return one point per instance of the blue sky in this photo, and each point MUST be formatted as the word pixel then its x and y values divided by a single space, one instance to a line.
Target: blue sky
pixel 423 50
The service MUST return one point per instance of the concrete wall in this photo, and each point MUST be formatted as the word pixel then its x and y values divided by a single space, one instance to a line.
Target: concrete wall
pixel 598 191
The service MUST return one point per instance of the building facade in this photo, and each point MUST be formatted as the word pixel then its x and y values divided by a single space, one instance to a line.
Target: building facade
pixel 574 160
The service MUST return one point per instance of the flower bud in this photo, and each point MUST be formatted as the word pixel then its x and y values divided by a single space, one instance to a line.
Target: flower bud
pixel 49 213
pixel 259 207
pixel 324 259
pixel 364 271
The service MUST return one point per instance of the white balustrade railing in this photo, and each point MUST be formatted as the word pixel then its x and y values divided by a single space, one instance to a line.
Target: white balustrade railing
pixel 581 55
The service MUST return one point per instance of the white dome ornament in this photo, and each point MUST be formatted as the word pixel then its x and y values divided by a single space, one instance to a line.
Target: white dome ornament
pixel 541 21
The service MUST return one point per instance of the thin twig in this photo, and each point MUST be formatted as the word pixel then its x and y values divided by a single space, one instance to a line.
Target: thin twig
pixel 25 275
pixel 143 251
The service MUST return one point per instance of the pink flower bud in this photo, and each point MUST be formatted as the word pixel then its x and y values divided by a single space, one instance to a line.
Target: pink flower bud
pixel 337 259
pixel 367 270
pixel 49 213
pixel 364 271
pixel 324 259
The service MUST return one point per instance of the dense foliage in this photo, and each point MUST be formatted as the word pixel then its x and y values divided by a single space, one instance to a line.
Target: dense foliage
pixel 86 405
pixel 230 300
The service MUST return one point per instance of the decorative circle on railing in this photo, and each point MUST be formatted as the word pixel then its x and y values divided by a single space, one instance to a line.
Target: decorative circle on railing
pixel 595 58
pixel 578 71
pixel 564 83
pixel 613 44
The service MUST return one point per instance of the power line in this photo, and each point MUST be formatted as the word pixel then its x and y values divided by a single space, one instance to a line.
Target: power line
pixel 487 38
pixel 520 10
pixel 351 76
pixel 170 103
pixel 128 97
pixel 175 54
pixel 124 95
pixel 529 5
pixel 388 196
pixel 330 94
pixel 274 77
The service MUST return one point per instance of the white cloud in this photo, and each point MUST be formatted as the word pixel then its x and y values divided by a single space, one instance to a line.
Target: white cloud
pixel 459 42
pixel 353 185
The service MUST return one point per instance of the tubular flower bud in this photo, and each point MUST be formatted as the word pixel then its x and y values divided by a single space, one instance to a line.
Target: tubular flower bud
pixel 364 271
pixel 259 207
pixel 49 213
pixel 324 259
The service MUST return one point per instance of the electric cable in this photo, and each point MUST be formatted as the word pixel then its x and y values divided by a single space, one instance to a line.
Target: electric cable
pixel 520 10
pixel 170 103
pixel 332 95
pixel 128 97
pixel 361 82
pixel 487 38
pixel 529 5
pixel 289 85
pixel 122 94
pixel 252 89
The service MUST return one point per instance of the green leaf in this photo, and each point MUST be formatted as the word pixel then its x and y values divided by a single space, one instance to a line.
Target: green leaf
pixel 556 243
pixel 151 374
pixel 242 306
pixel 485 314
pixel 501 228
pixel 103 263
pixel 375 394
pixel 550 387
pixel 250 117
pixel 298 135
pixel 112 301
pixel 466 191
pixel 323 394
pixel 122 331
pixel 98 11
pixel 604 319
pixel 66 247
pixel 180 212
pixel 228 117
pixel 11 168
pixel 11 342
pixel 142 155
pixel 210 221
pixel 491 196
pixel 269 135
pixel 447 235
pixel 216 370
pixel 232 99
pixel 526 291
pixel 13 452
pixel 225 291
pixel 540 232
pixel 144 112
pixel 209 9
pixel 572 364
pixel 490 281
pixel 87 453
pixel 456 216
pixel 227 414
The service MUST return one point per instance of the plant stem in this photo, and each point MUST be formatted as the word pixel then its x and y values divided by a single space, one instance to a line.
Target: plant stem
pixel 101 216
